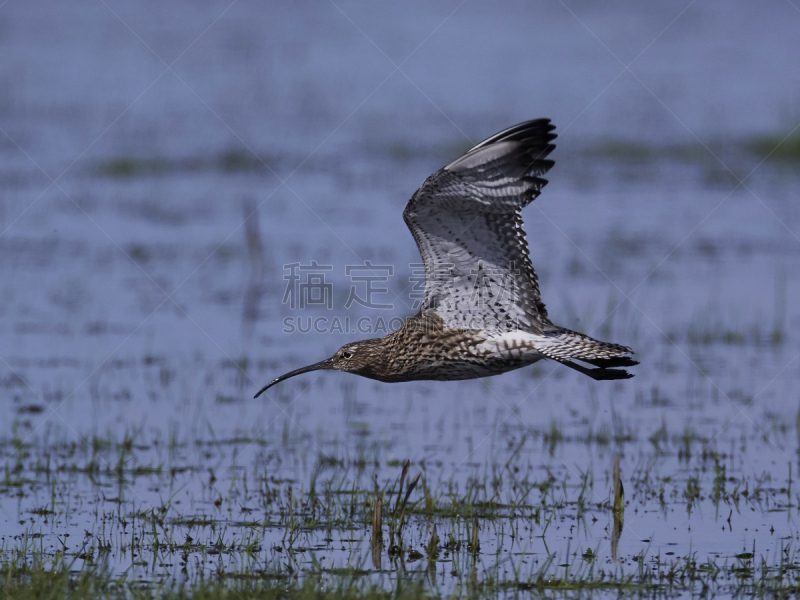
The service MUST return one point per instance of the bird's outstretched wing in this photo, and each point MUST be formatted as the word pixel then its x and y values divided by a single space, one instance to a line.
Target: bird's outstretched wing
pixel 466 219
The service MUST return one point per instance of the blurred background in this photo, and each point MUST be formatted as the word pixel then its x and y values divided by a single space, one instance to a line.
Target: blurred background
pixel 160 164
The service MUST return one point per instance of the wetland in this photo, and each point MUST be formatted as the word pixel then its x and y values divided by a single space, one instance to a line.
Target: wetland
pixel 149 221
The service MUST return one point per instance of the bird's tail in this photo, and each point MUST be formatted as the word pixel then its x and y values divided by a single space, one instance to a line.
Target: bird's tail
pixel 565 346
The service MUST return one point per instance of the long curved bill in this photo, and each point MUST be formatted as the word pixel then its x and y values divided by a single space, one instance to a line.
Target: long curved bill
pixel 323 364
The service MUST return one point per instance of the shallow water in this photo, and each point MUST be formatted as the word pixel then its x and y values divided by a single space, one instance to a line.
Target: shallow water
pixel 137 304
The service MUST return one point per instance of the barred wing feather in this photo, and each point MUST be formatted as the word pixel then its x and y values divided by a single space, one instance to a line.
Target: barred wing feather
pixel 467 223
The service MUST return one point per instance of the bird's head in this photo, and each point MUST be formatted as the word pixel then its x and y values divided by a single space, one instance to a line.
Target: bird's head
pixel 356 357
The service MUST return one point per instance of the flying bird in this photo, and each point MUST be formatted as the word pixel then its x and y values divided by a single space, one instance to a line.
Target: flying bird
pixel 481 312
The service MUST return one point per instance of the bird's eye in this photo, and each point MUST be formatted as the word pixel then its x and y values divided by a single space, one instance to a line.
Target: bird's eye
pixel 347 355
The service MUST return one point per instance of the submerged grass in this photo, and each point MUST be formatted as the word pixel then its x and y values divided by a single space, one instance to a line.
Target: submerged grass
pixel 137 517
pixel 778 148
pixel 654 577
pixel 57 579
pixel 231 161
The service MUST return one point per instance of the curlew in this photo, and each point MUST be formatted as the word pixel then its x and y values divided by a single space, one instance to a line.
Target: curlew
pixel 481 312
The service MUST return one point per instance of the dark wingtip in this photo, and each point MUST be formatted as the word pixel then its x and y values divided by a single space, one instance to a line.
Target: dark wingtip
pixel 538 128
pixel 617 361
pixel 609 374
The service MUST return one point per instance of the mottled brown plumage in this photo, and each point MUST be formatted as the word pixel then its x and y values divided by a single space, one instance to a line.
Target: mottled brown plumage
pixel 482 313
